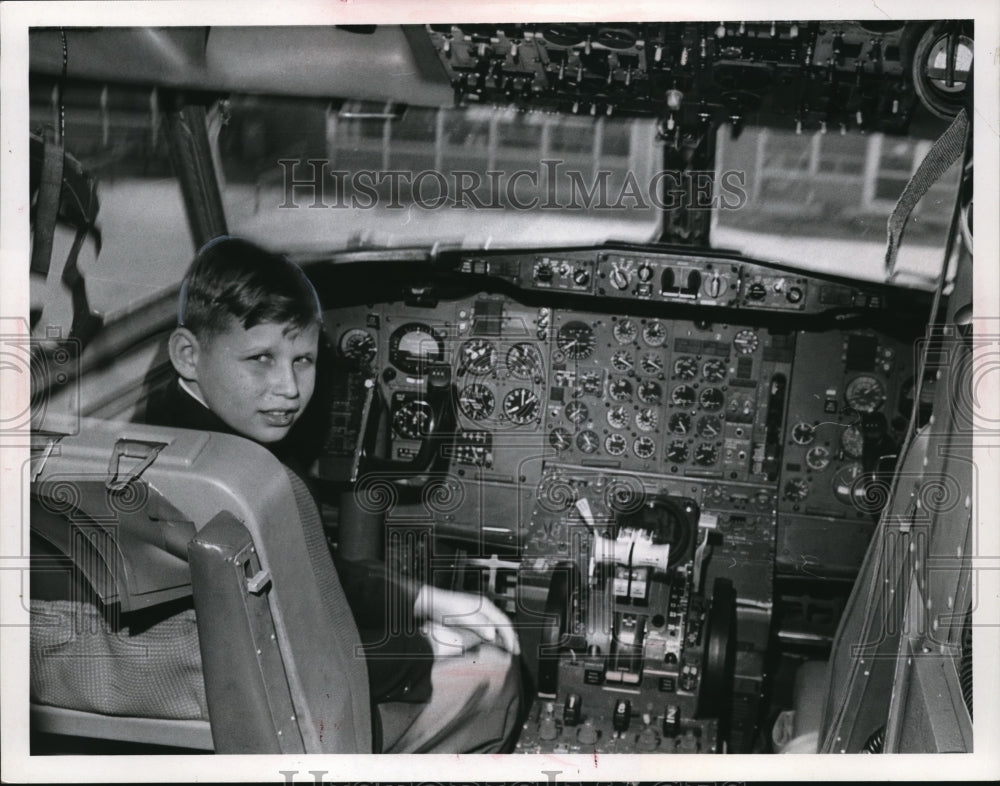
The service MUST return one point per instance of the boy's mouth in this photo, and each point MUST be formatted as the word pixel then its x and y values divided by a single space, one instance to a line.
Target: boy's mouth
pixel 279 418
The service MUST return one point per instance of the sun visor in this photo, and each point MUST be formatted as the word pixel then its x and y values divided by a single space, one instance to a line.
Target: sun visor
pixel 162 56
pixel 380 63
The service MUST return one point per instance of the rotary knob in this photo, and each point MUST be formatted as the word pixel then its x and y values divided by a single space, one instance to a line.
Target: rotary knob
pixel 715 286
pixel 587 734
pixel 548 729
pixel 648 739
pixel 619 278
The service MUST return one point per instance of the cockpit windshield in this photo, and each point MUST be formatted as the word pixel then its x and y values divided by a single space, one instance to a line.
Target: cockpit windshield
pixel 314 176
pixel 836 189
pixel 320 175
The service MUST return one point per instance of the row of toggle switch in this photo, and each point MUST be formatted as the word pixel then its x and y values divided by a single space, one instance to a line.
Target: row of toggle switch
pixel 665 736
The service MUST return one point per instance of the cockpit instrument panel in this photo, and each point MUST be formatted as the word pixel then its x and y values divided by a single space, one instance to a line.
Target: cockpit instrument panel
pixel 722 422
pixel 768 396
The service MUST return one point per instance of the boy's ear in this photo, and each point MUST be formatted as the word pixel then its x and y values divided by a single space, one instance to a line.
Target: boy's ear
pixel 184 349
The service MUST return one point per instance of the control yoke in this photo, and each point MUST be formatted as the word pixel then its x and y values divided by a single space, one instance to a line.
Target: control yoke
pixel 440 427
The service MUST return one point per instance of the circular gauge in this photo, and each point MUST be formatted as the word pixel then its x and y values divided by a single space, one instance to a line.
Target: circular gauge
pixel 818 458
pixel 865 393
pixel 622 360
pixel 845 486
pixel 560 439
pixel 589 383
pixel 677 452
pixel 625 331
pixel 803 433
pixel 644 447
pixel 712 399
pixel 649 392
pixel 620 389
pixel 588 441
pixel 576 412
pixel 709 426
pixel 852 441
pixel 685 368
pixel 746 342
pixel 646 419
pixel 478 356
pixel 520 406
pixel 651 363
pixel 714 370
pixel 358 344
pixel 679 423
pixel 615 445
pixel 618 417
pixel 706 454
pixel 654 333
pixel 796 490
pixel 576 339
pixel 523 361
pixel 477 402
pixel 683 396
pixel 413 419
pixel 412 346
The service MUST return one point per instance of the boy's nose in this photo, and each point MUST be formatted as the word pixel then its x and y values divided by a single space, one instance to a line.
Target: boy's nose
pixel 285 382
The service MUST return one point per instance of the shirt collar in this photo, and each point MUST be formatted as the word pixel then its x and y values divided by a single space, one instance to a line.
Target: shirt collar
pixel 192 392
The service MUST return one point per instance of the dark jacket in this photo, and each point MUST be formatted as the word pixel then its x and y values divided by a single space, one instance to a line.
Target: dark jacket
pixel 399 664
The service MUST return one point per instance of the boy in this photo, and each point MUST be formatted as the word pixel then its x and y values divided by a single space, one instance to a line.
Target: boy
pixel 245 350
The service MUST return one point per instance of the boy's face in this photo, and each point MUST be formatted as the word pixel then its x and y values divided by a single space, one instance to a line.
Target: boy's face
pixel 258 380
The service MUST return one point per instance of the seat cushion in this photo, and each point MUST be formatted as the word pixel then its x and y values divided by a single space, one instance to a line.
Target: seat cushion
pixel 80 661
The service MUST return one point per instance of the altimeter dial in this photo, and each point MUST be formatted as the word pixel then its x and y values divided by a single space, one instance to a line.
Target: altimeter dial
pixel 618 417
pixel 523 361
pixel 644 447
pixel 521 406
pixel 476 402
pixel 615 444
pixel 576 412
pixel 649 392
pixel 413 419
pixel 576 340
pixel 625 331
pixel 865 393
pixel 646 419
pixel 654 333
pixel 477 356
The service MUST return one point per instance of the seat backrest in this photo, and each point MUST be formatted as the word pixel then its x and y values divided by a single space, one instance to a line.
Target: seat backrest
pixel 235 579
pixel 243 504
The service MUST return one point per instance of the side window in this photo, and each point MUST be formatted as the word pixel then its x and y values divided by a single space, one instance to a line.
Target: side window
pixel 117 134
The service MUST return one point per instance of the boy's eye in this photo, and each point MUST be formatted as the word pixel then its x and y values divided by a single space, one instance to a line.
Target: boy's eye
pixel 263 357
pixel 305 360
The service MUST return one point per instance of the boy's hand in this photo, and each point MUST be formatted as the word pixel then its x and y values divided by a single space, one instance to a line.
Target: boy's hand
pixel 465 614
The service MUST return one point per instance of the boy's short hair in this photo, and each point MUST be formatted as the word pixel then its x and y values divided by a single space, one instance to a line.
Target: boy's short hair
pixel 232 278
